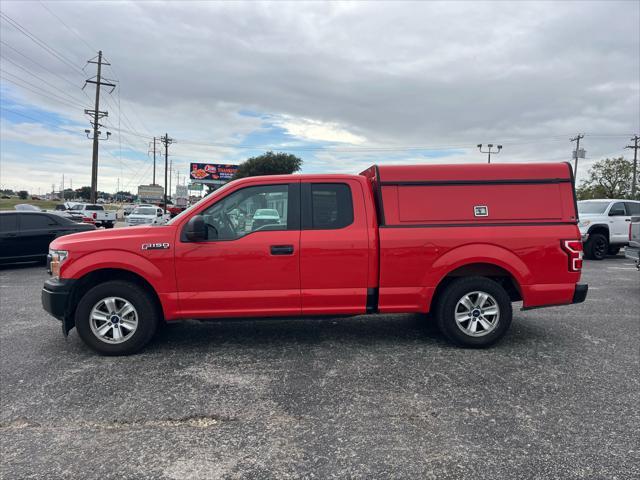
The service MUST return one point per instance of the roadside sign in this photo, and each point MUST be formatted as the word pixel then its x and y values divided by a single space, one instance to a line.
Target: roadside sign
pixel 212 173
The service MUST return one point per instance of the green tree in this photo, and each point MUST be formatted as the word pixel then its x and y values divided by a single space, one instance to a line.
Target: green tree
pixel 84 192
pixel 23 194
pixel 608 178
pixel 269 164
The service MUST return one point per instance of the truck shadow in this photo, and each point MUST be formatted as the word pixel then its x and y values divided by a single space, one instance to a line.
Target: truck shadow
pixel 361 330
pixel 407 329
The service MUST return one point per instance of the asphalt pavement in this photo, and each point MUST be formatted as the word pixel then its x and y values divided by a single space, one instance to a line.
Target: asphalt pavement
pixel 364 397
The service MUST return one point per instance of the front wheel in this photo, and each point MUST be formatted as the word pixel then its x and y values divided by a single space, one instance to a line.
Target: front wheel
pixel 474 312
pixel 116 318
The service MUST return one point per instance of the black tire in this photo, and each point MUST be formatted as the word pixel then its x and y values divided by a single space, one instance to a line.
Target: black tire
pixel 108 225
pixel 596 247
pixel 613 250
pixel 448 305
pixel 147 313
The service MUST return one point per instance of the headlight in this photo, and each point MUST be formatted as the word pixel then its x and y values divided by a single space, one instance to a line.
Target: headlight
pixel 56 257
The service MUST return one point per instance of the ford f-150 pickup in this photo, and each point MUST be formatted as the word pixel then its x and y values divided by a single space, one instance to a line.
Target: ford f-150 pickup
pixel 462 241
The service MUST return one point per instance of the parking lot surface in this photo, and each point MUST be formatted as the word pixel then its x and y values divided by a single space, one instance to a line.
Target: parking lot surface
pixel 364 397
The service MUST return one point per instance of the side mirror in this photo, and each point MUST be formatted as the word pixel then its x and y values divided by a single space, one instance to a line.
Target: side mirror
pixel 196 230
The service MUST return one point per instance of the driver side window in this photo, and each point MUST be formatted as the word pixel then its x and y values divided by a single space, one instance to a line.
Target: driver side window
pixel 248 210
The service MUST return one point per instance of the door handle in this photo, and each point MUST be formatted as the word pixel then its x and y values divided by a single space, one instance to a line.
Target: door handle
pixel 281 249
pixel 627 219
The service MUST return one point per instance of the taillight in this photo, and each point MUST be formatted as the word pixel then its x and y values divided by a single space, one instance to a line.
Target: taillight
pixel 95 215
pixel 574 251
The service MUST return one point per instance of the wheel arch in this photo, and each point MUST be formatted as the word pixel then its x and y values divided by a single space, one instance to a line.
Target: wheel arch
pixel 488 269
pixel 102 275
pixel 599 228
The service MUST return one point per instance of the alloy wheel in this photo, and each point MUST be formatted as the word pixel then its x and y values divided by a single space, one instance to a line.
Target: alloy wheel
pixel 477 314
pixel 113 320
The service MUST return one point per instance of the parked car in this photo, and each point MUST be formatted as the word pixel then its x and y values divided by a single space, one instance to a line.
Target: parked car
pixel 25 235
pixel 101 217
pixel 604 225
pixel 146 216
pixel 265 216
pixel 464 241
pixel 632 250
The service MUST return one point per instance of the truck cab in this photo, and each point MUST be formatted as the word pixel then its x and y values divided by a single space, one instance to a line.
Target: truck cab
pixel 462 241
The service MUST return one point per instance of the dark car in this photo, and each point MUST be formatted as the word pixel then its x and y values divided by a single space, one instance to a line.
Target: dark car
pixel 25 236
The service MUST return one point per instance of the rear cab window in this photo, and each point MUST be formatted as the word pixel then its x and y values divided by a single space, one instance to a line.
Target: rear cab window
pixel 331 206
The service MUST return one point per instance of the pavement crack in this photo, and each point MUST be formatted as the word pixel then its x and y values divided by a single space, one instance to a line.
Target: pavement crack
pixel 196 421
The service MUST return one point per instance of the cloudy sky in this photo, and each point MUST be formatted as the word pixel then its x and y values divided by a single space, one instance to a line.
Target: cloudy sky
pixel 342 85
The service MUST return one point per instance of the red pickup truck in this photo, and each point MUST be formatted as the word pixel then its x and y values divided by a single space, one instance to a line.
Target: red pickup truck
pixel 464 241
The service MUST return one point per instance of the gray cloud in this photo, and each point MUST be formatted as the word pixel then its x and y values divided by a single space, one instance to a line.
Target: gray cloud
pixel 417 73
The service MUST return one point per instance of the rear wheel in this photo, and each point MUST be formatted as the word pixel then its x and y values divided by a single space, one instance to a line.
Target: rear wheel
pixel 474 312
pixel 596 247
pixel 116 318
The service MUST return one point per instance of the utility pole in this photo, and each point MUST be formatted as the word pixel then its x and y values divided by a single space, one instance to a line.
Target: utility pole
pixel 489 152
pixel 635 163
pixel 97 115
pixel 577 154
pixel 154 160
pixel 170 172
pixel 166 141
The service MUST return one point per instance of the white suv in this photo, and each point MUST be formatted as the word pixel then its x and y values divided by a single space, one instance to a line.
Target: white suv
pixel 604 225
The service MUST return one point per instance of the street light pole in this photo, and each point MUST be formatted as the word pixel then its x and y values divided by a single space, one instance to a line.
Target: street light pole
pixel 489 152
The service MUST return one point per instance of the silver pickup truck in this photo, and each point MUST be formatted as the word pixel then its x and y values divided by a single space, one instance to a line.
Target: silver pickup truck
pixel 632 250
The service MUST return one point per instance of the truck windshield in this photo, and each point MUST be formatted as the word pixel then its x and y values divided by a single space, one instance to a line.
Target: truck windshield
pixel 592 207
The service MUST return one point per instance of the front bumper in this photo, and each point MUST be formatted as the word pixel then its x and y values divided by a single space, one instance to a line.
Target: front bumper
pixel 55 296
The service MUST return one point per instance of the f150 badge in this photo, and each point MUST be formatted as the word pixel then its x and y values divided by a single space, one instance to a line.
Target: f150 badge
pixel 155 246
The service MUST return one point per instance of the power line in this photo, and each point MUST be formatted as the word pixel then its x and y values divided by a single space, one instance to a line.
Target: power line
pixel 50 96
pixel 35 62
pixel 41 120
pixel 68 27
pixel 41 79
pixel 40 43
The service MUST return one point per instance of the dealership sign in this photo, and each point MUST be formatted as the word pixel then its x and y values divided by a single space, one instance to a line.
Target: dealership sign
pixel 215 173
